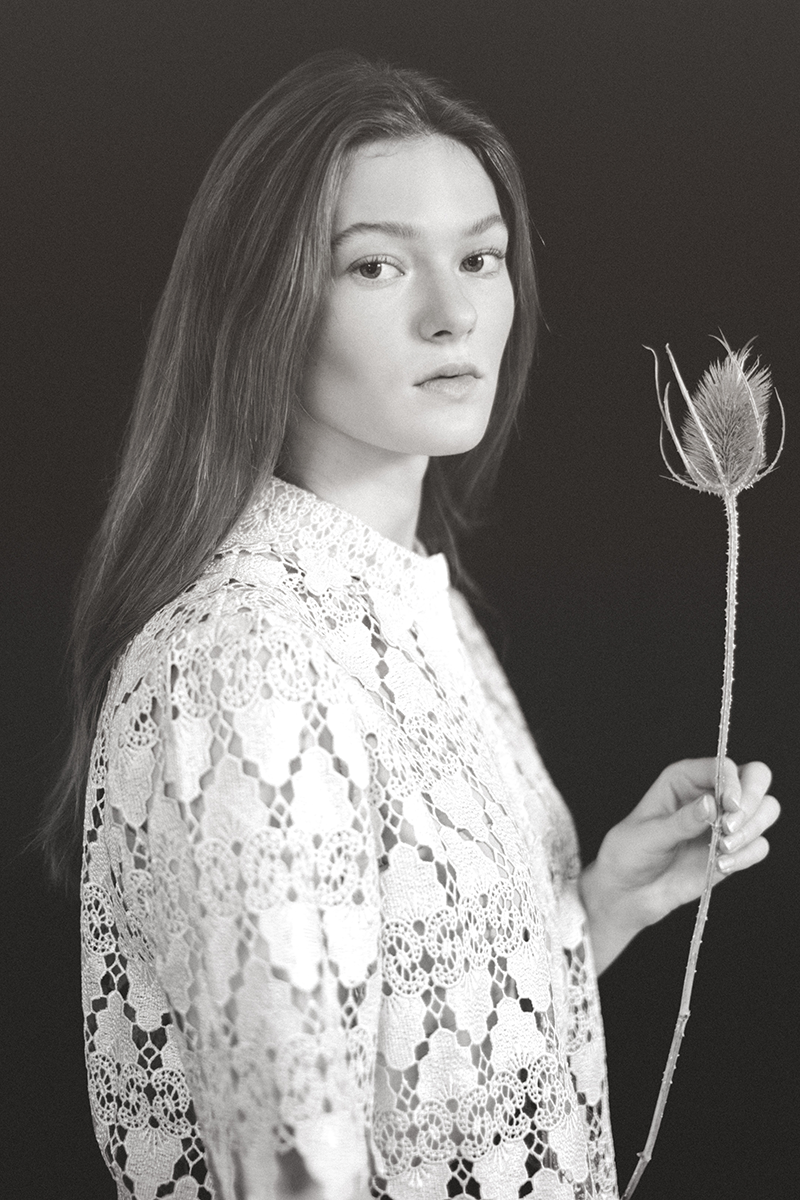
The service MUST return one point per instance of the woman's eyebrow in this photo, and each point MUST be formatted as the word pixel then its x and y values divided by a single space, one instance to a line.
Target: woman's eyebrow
pixel 400 229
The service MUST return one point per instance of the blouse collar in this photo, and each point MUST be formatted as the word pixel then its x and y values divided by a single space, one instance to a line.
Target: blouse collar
pixel 334 547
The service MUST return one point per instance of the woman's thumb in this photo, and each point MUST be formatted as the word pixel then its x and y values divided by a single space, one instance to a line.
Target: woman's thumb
pixel 699 814
pixel 689 821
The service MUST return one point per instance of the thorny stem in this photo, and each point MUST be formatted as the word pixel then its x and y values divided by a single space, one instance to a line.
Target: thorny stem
pixel 705 898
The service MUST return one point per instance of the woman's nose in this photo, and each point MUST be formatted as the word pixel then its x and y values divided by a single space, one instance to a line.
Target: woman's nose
pixel 445 309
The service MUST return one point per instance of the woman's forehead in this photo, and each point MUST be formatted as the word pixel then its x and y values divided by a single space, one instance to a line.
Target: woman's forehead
pixel 432 178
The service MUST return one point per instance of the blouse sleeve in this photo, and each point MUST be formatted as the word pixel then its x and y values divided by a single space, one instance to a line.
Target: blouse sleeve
pixel 265 915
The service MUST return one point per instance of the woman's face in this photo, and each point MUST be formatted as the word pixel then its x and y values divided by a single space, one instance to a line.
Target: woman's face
pixel 419 308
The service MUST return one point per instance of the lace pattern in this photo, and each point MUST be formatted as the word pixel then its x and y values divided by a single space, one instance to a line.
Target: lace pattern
pixel 329 892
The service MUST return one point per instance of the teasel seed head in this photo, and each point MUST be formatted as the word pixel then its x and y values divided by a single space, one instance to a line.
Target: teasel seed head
pixel 721 442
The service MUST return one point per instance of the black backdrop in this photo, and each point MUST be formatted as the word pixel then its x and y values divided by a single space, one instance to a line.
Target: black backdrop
pixel 659 141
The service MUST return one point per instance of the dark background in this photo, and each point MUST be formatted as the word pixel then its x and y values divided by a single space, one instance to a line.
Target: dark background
pixel 659 140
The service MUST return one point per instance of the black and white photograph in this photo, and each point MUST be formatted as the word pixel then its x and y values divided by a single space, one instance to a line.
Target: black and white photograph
pixel 400 443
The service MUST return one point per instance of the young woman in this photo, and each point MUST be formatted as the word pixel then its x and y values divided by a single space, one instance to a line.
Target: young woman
pixel 337 942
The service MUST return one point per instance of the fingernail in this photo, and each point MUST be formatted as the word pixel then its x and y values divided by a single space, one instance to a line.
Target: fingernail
pixel 733 798
pixel 733 842
pixel 706 808
pixel 724 864
pixel 733 821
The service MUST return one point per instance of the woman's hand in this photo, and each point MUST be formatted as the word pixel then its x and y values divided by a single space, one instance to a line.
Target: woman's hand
pixel 655 860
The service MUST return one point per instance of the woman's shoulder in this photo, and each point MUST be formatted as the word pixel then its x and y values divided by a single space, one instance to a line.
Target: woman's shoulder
pixel 244 609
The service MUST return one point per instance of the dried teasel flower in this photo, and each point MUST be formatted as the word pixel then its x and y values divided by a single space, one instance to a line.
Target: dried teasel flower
pixel 722 443
pixel 723 449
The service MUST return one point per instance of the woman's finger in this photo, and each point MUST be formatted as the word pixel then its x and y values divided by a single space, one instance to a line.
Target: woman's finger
pixel 732 787
pixel 765 815
pixel 701 774
pixel 754 778
pixel 751 854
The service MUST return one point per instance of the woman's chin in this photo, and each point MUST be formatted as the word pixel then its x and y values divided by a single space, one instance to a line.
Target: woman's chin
pixel 456 443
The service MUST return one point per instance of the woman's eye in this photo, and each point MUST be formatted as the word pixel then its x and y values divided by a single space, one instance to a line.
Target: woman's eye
pixel 485 263
pixel 374 269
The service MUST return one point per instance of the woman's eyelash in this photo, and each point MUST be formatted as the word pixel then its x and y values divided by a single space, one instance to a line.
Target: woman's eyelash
pixel 480 269
pixel 374 259
pixel 494 251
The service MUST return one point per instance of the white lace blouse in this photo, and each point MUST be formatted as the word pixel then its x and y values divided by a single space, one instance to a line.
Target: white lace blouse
pixel 329 892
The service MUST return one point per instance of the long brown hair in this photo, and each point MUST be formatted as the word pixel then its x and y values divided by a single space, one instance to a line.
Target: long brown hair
pixel 224 364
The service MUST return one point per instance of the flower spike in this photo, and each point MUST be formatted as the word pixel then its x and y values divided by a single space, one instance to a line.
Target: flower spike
pixel 722 443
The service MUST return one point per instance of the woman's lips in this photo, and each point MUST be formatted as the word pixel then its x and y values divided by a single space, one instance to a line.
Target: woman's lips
pixel 449 385
pixel 452 379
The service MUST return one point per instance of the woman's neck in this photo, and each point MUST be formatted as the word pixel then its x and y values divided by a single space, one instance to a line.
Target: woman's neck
pixel 383 490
